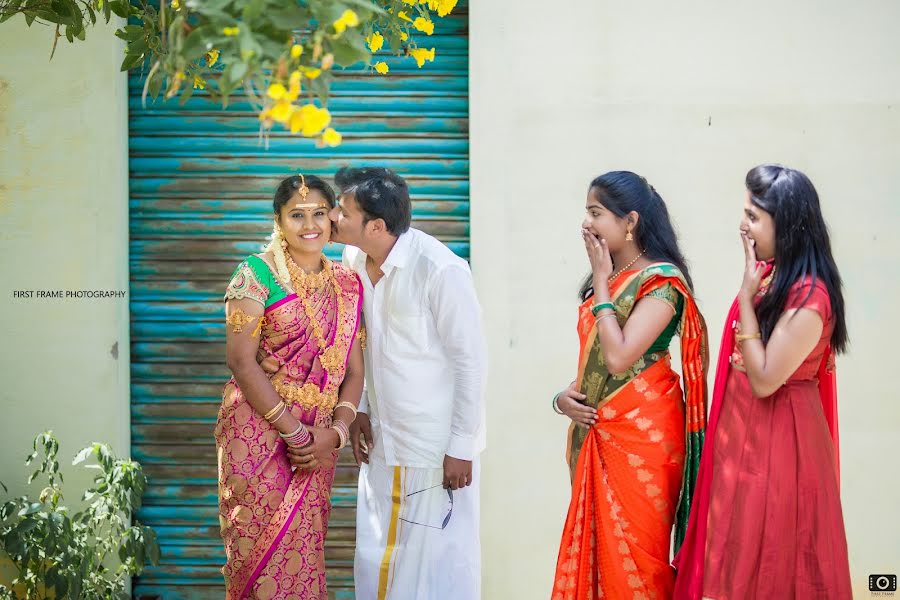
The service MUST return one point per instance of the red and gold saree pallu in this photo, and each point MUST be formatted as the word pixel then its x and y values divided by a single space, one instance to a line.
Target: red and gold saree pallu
pixel 633 471
pixel 274 519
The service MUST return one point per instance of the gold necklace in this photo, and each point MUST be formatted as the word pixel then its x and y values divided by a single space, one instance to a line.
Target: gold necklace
pixel 304 283
pixel 625 268
pixel 307 282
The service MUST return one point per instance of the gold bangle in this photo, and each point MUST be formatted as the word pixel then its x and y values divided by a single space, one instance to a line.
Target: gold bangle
pixel 268 416
pixel 347 404
pixel 740 337
pixel 281 414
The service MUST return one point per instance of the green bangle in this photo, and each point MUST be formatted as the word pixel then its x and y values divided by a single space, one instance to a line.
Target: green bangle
pixel 555 405
pixel 598 307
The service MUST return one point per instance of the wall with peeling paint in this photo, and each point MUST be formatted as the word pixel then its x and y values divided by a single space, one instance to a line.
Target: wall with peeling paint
pixel 64 224
pixel 691 96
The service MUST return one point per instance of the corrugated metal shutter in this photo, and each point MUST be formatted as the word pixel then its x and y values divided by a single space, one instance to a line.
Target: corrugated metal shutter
pixel 200 202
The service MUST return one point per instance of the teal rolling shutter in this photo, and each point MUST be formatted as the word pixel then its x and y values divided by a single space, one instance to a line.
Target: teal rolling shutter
pixel 200 201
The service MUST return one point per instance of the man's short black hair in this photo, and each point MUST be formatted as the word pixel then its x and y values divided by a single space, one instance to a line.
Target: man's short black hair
pixel 380 193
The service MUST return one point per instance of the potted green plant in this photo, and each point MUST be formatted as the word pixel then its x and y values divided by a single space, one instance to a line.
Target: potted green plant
pixel 87 554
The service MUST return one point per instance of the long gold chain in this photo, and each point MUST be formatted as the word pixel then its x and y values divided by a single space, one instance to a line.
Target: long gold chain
pixel 304 284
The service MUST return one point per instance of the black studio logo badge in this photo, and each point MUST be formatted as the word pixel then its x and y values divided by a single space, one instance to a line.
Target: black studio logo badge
pixel 883 583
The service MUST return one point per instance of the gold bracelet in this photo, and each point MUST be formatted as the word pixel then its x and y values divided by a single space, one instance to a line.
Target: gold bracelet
pixel 742 337
pixel 268 416
pixel 281 414
pixel 347 404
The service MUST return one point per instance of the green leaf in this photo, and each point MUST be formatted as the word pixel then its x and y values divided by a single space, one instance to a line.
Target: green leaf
pixel 155 85
pixel 129 33
pixel 10 10
pixel 85 453
pixel 186 92
pixel 235 73
pixel 197 43
pixel 131 61
pixel 289 14
pixel 346 53
pixel 120 7
pixel 34 507
pixel 248 44
pixel 252 10
pixel 138 46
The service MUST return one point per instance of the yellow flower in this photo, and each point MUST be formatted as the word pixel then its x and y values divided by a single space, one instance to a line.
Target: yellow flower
pixel 404 36
pixel 296 123
pixel 310 120
pixel 199 83
pixel 424 25
pixel 282 111
pixel 347 19
pixel 375 41
pixel 296 51
pixel 276 91
pixel 231 31
pixel 293 87
pixel 404 16
pixel 311 72
pixel 421 55
pixel 382 67
pixel 443 7
pixel 331 137
pixel 212 57
pixel 176 4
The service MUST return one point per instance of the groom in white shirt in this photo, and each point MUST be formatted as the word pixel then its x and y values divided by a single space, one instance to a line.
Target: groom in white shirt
pixel 420 429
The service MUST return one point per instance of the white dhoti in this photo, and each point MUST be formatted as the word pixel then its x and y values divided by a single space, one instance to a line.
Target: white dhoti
pixel 402 551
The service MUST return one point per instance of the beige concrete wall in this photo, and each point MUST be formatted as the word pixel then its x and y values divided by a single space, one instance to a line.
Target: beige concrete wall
pixel 63 226
pixel 691 95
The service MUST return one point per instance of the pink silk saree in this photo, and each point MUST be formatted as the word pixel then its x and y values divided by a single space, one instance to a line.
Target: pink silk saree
pixel 274 519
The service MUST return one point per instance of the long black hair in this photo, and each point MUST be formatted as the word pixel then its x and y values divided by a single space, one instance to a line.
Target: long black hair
pixel 288 187
pixel 802 245
pixel 622 192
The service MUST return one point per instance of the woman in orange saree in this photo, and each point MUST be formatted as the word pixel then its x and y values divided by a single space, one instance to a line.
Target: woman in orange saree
pixel 292 320
pixel 635 441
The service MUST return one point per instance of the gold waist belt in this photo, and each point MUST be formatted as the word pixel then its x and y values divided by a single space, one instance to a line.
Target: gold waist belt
pixel 307 395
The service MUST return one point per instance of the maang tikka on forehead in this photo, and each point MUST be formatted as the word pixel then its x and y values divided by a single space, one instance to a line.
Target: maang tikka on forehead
pixel 304 192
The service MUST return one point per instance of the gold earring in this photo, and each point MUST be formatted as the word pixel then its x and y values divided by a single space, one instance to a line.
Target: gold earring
pixel 629 237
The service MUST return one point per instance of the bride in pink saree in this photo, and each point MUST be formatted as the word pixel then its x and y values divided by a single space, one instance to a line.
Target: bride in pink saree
pixel 291 342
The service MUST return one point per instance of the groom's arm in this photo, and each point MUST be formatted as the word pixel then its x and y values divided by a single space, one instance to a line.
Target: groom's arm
pixel 457 316
pixel 347 260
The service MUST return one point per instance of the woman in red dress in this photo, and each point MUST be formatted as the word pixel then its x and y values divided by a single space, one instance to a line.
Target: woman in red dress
pixel 767 522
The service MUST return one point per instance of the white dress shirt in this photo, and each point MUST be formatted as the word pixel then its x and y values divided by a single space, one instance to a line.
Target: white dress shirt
pixel 425 357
